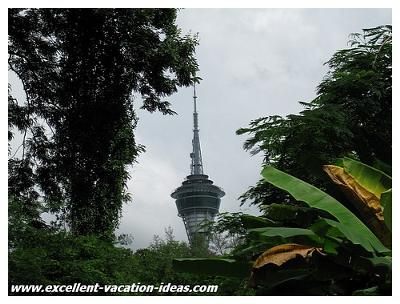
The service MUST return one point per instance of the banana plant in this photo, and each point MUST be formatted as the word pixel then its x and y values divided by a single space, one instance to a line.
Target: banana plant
pixel 337 254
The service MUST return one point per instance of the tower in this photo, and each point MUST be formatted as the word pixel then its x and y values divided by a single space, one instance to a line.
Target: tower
pixel 197 199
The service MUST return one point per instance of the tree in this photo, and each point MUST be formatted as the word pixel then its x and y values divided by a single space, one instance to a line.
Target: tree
pixel 155 267
pixel 57 257
pixel 80 70
pixel 51 256
pixel 351 115
pixel 226 233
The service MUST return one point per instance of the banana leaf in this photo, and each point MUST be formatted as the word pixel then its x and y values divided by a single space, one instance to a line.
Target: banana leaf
pixel 347 222
pixel 363 186
pixel 273 236
pixel 284 232
pixel 372 291
pixel 251 221
pixel 370 178
pixel 386 201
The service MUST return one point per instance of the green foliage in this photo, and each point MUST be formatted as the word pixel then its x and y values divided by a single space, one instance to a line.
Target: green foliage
pixel 352 258
pixel 224 234
pixel 364 186
pixel 212 266
pixel 155 262
pixel 292 215
pixel 156 266
pixel 386 201
pixel 370 178
pixel 347 222
pixel 80 70
pixel 351 115
pixel 51 257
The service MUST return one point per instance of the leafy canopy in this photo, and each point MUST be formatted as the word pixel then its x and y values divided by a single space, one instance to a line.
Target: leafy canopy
pixel 81 70
pixel 351 115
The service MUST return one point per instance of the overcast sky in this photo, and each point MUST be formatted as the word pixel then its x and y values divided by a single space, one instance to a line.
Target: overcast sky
pixel 254 63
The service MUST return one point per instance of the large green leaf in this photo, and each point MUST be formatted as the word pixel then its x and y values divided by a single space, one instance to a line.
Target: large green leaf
pixel 272 236
pixel 372 291
pixel 291 215
pixel 276 278
pixel 251 221
pixel 385 261
pixel 213 266
pixel 284 232
pixel 347 223
pixel 332 236
pixel 251 249
pixel 373 180
pixel 386 202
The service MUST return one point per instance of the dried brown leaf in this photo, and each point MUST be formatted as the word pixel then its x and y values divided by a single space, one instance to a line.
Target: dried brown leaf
pixel 340 177
pixel 366 202
pixel 280 254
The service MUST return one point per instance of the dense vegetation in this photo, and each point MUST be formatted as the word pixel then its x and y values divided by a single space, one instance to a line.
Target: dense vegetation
pixel 336 254
pixel 80 70
pixel 57 257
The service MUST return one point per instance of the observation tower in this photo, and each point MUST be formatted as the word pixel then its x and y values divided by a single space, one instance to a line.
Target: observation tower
pixel 197 199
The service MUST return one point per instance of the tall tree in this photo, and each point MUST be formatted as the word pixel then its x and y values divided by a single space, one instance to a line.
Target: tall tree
pixel 80 70
pixel 351 115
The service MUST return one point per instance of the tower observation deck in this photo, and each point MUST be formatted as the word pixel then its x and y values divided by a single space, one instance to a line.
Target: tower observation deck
pixel 197 199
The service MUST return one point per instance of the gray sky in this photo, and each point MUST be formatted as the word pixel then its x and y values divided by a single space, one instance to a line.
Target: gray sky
pixel 254 63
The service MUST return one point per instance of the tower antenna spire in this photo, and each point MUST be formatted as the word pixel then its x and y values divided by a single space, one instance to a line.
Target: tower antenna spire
pixel 197 163
pixel 194 97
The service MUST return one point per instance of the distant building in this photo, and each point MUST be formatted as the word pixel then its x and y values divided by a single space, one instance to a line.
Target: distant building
pixel 197 199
